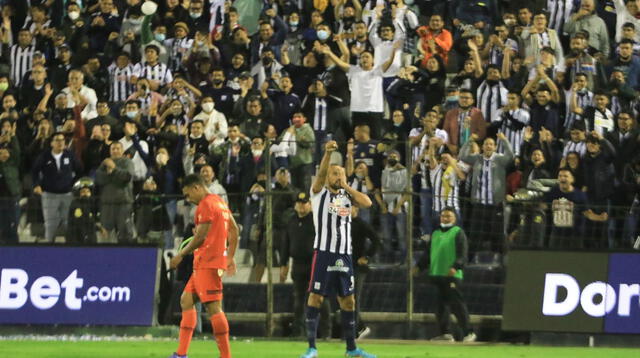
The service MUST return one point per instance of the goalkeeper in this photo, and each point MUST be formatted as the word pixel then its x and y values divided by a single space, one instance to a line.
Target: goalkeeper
pixel 445 256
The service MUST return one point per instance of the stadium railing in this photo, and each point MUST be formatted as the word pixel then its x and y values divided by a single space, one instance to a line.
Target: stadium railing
pixel 391 291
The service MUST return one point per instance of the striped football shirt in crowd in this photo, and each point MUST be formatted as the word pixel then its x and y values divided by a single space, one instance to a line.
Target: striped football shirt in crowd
pixel 120 86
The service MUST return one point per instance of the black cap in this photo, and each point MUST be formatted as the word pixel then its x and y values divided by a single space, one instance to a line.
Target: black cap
pixel 302 197
pixel 245 74
pixel 578 125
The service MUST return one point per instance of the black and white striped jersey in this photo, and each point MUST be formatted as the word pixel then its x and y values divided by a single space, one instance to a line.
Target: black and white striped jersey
pixel 158 72
pixel 21 59
pixel 120 86
pixel 332 219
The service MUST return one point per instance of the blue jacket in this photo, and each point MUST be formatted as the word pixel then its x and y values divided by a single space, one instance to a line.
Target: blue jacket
pixel 631 71
pixel 46 174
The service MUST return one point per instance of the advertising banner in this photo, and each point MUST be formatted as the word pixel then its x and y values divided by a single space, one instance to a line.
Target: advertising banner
pixel 572 292
pixel 78 285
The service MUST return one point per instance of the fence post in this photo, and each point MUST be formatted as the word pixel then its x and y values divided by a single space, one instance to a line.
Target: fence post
pixel 269 237
pixel 409 230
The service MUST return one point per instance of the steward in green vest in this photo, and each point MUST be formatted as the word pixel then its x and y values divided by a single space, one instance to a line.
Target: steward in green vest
pixel 445 256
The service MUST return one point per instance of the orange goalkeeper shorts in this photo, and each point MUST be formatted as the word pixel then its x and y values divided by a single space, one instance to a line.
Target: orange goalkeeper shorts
pixel 206 283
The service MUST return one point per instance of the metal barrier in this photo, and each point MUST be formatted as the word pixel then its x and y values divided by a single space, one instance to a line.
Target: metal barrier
pixel 522 221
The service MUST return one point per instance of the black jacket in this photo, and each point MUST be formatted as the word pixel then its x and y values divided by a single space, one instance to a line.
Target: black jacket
pixel 298 241
pixel 46 174
pixel 625 149
pixel 599 173
pixel 361 232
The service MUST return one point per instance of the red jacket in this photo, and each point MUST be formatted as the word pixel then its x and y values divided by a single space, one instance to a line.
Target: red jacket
pixel 443 41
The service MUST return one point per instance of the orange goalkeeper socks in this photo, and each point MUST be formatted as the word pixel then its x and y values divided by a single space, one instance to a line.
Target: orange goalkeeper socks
pixel 221 333
pixel 187 324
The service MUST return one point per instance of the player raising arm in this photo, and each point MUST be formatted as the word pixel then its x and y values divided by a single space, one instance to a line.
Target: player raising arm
pixel 332 267
pixel 214 245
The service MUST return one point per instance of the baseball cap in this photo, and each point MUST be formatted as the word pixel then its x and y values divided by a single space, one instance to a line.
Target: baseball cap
pixel 302 197
pixel 245 74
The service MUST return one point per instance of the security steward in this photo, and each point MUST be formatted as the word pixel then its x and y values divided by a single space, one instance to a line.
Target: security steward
pixel 445 256
pixel 297 244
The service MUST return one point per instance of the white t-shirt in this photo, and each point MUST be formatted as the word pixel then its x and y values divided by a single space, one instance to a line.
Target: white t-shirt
pixel 90 111
pixel 366 89
pixel 57 157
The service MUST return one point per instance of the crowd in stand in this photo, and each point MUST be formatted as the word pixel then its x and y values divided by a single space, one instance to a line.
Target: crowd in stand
pixel 493 96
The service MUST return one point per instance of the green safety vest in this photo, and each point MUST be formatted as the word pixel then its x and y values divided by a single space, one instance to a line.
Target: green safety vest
pixel 443 252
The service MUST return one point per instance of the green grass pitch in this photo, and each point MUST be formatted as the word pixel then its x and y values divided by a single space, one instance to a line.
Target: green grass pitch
pixel 291 349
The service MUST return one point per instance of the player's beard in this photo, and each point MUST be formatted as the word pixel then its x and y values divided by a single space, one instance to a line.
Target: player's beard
pixel 335 186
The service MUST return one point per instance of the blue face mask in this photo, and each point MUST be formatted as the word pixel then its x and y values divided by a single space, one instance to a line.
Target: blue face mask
pixel 408 2
pixel 195 15
pixel 452 98
pixel 160 37
pixel 132 114
pixel 322 35
pixel 294 23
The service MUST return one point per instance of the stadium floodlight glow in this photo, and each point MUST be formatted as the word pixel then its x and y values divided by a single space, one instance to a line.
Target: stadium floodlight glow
pixel 551 306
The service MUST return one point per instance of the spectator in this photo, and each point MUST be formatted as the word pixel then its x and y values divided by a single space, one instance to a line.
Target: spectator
pixel 537 37
pixel 268 36
pixel 586 19
pixel 301 149
pixel 511 120
pixel 366 87
pixel 628 63
pixel 316 106
pixel 54 174
pixel 285 102
pixel 544 111
pixel 80 95
pixel 488 191
pixel 492 95
pixel 215 123
pixel 579 61
pixel 598 117
pixel 9 188
pixel 214 187
pixel 392 200
pixel 434 39
pixel 19 55
pixel 101 24
pixel 567 211
pixel 267 69
pixel 498 44
pixel 463 122
pixel 135 148
pixel 114 177
pixel 578 99
pixel 157 73
pixel 220 91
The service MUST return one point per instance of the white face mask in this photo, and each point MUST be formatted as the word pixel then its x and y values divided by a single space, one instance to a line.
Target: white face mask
pixel 446 226
pixel 256 152
pixel 207 107
pixel 73 15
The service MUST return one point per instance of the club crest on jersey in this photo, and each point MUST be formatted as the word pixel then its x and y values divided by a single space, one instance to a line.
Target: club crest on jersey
pixel 340 205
